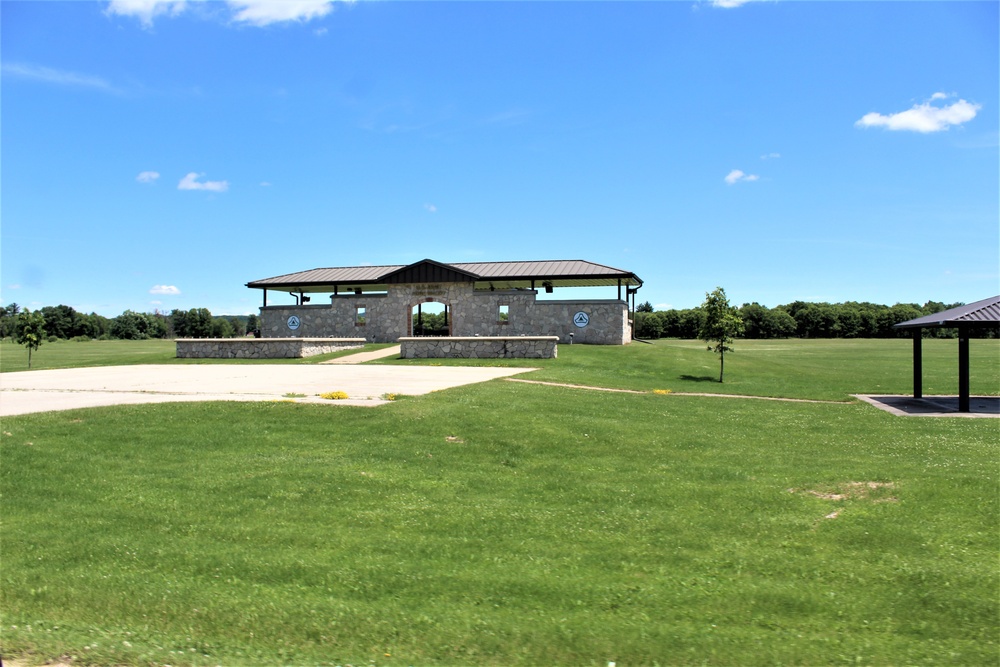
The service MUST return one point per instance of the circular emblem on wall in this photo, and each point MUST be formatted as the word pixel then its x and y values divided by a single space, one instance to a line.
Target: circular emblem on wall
pixel 293 322
pixel 581 319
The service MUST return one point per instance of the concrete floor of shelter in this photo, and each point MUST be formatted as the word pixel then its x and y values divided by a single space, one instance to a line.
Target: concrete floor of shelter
pixel 935 406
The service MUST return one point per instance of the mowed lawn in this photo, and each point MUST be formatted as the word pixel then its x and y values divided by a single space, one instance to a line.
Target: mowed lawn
pixel 517 524
pixel 79 354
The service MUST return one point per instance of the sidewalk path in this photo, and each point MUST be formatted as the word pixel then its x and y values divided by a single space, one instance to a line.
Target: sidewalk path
pixel 67 389
pixel 362 357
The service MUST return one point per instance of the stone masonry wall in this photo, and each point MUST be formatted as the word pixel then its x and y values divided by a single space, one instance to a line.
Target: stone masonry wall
pixel 479 347
pixel 261 348
pixel 471 313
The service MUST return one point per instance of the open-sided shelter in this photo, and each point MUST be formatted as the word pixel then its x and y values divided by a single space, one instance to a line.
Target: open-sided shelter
pixel 478 298
pixel 981 314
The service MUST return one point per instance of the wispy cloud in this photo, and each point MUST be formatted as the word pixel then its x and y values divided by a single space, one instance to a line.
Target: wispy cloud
pixel 770 156
pixel 164 289
pixel 430 208
pixel 737 176
pixel 57 77
pixel 728 4
pixel 147 176
pixel 925 118
pixel 509 117
pixel 266 12
pixel 146 10
pixel 190 182
pixel 241 12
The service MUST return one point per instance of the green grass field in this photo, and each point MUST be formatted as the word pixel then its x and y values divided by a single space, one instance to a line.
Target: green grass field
pixel 74 354
pixel 515 524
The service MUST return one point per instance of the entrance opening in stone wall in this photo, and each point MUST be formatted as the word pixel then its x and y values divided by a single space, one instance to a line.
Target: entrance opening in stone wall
pixel 431 318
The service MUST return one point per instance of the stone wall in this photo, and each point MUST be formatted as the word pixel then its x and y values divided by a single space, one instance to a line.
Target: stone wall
pixel 261 348
pixel 471 313
pixel 479 347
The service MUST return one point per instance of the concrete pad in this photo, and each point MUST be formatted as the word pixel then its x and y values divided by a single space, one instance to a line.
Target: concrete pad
pixel 361 357
pixel 67 389
pixel 934 406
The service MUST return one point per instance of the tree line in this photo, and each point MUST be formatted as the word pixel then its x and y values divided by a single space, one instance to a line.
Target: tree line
pixel 802 319
pixel 65 323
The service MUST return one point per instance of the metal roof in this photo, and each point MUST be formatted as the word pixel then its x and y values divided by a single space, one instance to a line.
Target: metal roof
pixel 498 275
pixel 980 313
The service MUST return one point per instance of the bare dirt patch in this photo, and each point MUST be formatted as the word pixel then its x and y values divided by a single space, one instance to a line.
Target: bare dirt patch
pixel 851 491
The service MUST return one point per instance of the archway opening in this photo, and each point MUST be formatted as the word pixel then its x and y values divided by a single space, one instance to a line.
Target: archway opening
pixel 431 318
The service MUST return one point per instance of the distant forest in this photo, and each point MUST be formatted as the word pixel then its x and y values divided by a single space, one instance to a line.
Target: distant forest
pixel 65 323
pixel 799 319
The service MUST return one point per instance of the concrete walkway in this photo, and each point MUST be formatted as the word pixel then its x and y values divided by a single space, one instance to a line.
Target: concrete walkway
pixel 68 389
pixel 362 357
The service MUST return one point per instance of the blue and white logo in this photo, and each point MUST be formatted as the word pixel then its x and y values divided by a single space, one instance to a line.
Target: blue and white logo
pixel 581 319
pixel 293 322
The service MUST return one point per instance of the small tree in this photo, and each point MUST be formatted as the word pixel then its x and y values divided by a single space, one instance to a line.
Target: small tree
pixel 721 325
pixel 31 330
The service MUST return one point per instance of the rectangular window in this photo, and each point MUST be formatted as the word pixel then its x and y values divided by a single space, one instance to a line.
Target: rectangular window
pixel 359 316
pixel 503 314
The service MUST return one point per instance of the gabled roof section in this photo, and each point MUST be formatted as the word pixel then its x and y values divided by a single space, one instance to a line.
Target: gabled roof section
pixel 980 313
pixel 485 275
pixel 428 271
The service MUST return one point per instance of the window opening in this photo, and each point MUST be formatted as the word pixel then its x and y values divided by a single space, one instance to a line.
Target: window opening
pixel 360 315
pixel 503 314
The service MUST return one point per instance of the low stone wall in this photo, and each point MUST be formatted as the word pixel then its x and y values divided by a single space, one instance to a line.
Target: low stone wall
pixel 261 348
pixel 480 347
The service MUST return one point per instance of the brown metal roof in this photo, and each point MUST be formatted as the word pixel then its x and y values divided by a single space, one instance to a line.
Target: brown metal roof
pixel 500 275
pixel 980 313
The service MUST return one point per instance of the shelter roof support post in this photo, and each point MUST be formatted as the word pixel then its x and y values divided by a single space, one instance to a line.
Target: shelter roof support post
pixel 963 369
pixel 918 364
pixel 265 298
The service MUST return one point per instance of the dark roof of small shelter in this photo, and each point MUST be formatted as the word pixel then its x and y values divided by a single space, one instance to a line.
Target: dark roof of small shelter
pixel 498 275
pixel 980 313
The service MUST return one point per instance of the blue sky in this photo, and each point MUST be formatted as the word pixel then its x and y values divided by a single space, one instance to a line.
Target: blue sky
pixel 159 155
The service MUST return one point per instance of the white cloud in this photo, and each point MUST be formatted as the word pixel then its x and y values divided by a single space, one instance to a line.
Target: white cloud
pixel 58 77
pixel 190 182
pixel 265 184
pixel 431 208
pixel 924 117
pixel 729 4
pixel 164 289
pixel 147 176
pixel 737 175
pixel 265 12
pixel 251 12
pixel 770 156
pixel 146 10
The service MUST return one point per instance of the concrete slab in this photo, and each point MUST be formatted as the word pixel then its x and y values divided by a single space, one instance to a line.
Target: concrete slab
pixel 67 389
pixel 934 406
pixel 362 357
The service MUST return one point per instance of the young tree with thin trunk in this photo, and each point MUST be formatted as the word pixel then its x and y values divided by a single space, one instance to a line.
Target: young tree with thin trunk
pixel 721 326
pixel 31 330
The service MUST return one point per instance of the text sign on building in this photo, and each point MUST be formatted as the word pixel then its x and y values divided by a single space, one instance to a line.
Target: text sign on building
pixel 581 319
pixel 293 322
